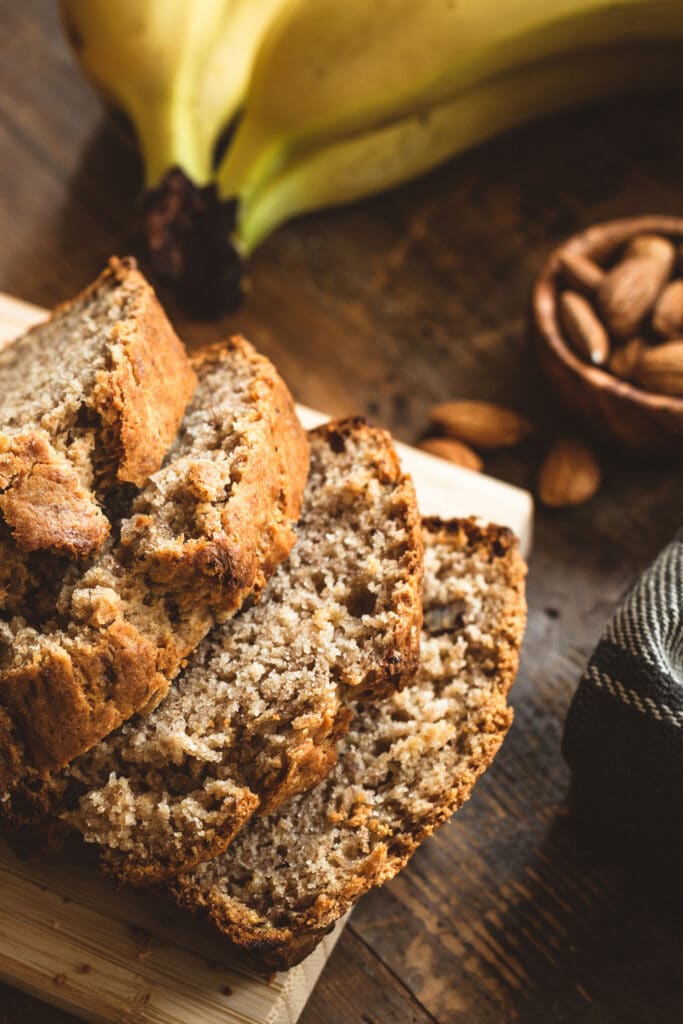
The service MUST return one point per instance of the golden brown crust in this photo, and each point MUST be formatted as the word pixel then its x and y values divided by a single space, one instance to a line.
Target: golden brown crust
pixel 141 873
pixel 268 947
pixel 307 765
pixel 237 547
pixel 43 501
pixel 63 703
pixel 137 401
pixel 141 397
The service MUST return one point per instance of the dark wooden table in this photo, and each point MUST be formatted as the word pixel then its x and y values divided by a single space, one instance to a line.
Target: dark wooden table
pixel 386 308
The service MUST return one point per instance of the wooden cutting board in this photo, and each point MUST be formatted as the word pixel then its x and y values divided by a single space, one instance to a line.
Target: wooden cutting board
pixel 69 939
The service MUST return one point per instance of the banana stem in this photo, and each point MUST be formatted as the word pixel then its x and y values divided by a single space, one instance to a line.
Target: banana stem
pixel 186 228
pixel 187 233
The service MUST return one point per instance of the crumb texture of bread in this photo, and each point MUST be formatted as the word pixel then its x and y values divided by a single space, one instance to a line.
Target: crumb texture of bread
pixel 255 717
pixel 207 530
pixel 228 515
pixel 405 766
pixel 90 399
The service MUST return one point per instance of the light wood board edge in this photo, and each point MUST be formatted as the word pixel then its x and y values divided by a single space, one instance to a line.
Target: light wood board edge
pixel 69 939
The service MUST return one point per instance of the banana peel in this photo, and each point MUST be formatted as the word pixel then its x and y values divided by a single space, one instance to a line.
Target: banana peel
pixel 327 69
pixel 370 162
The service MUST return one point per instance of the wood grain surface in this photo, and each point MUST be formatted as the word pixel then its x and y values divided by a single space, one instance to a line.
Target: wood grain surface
pixel 386 308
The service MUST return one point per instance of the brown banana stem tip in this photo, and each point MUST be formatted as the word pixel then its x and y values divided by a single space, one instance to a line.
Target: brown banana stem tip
pixel 187 238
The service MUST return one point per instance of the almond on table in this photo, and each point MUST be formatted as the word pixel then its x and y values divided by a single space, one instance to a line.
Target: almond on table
pixel 483 425
pixel 570 474
pixel 454 451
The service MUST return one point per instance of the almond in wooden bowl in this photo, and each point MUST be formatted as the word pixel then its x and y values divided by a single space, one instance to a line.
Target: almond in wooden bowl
pixel 625 271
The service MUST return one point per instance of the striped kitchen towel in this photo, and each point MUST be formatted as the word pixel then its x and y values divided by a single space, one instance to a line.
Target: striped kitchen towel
pixel 623 738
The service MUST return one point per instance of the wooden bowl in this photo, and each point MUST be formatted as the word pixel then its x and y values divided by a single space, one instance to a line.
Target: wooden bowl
pixel 640 421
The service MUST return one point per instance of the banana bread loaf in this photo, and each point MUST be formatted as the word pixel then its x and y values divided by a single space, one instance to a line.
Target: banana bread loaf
pixel 256 715
pixel 208 529
pixel 405 766
pixel 90 399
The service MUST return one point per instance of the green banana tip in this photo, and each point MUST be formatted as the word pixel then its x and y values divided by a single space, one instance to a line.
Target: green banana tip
pixel 187 234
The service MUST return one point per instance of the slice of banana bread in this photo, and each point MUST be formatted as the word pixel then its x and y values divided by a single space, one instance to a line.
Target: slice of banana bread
pixel 256 715
pixel 90 399
pixel 405 766
pixel 207 530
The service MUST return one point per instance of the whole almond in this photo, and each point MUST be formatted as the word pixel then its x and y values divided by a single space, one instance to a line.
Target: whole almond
pixel 667 316
pixel 652 247
pixel 570 474
pixel 628 293
pixel 482 424
pixel 660 368
pixel 452 450
pixel 588 337
pixel 581 273
pixel 624 360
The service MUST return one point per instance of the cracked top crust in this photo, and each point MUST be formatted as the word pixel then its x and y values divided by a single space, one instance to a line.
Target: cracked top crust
pixel 255 716
pixel 206 531
pixel 90 399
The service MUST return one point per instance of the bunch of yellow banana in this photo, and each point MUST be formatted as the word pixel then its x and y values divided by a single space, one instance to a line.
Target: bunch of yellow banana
pixel 341 98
